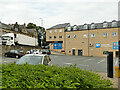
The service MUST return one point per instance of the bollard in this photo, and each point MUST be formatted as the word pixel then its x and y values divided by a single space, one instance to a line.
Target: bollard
pixel 110 64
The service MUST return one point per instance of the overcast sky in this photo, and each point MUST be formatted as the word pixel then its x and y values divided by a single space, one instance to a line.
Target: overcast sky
pixel 76 12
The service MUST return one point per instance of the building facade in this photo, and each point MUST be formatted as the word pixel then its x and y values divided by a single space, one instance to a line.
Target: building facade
pixel 18 29
pixel 95 39
pixel 55 36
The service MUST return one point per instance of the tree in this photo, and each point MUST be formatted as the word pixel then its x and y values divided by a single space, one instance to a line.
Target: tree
pixel 31 25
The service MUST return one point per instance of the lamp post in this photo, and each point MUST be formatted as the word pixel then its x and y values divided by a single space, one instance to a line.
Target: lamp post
pixel 41 22
pixel 41 31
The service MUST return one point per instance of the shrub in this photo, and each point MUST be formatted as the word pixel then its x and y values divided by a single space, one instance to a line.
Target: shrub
pixel 41 76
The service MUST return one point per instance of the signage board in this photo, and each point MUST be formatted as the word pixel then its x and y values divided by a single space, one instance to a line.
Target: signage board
pixel 115 45
pixel 97 45
pixel 57 46
pixel 106 45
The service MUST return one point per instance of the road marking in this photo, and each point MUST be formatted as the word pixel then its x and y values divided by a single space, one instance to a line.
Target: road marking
pixel 101 61
pixel 84 65
pixel 116 62
pixel 68 63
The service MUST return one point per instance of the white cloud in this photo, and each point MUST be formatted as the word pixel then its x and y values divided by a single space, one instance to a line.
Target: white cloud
pixel 57 11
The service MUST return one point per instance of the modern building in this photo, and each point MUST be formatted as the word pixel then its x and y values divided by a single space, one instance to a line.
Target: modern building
pixel 55 36
pixel 95 39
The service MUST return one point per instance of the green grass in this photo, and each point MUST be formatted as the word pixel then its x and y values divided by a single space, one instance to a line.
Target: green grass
pixel 41 76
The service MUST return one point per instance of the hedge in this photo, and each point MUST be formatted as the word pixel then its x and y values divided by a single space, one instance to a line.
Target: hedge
pixel 41 76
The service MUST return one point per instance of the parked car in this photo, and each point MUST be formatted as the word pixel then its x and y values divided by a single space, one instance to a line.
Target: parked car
pixel 45 51
pixel 35 51
pixel 14 53
pixel 34 59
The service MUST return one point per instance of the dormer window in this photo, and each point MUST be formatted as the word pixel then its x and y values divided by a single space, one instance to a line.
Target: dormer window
pixel 85 26
pixel 114 24
pixel 93 26
pixel 105 25
pixel 75 27
pixel 69 28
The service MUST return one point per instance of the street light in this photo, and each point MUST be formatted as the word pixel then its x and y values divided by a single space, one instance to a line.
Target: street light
pixel 41 22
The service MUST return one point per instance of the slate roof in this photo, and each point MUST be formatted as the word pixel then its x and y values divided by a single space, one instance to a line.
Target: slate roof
pixel 31 30
pixel 4 26
pixel 97 25
pixel 59 26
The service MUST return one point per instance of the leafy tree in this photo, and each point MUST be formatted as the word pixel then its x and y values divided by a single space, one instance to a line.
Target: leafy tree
pixel 31 25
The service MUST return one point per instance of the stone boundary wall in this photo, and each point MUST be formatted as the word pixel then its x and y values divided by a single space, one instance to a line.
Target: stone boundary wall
pixel 6 48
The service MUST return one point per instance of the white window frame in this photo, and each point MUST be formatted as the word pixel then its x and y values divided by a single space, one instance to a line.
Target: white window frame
pixel 50 31
pixel 68 36
pixel 105 34
pixel 92 26
pixel 105 25
pixel 75 28
pixel 74 36
pixel 92 35
pixel 60 30
pixel 55 31
pixel 84 35
pixel 114 24
pixel 85 26
pixel 113 34
pixel 69 28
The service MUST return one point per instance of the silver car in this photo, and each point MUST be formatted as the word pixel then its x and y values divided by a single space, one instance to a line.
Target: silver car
pixel 34 59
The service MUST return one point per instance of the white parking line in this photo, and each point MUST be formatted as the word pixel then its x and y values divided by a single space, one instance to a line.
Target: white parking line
pixel 101 61
pixel 68 63
pixel 84 65
pixel 116 62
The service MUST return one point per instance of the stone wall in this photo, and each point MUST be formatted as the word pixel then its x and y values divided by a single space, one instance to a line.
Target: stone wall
pixel 6 48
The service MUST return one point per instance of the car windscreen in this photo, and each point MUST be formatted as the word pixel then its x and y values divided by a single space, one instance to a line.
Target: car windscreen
pixel 5 37
pixel 34 60
pixel 44 50
pixel 20 51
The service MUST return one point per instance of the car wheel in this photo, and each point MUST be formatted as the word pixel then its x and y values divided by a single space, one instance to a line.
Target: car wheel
pixel 5 55
pixel 16 56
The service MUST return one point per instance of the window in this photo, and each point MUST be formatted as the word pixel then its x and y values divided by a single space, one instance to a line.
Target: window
pixel 60 30
pixel 105 34
pixel 60 36
pixel 74 36
pixel 114 34
pixel 50 31
pixel 105 25
pixel 68 36
pixel 114 24
pixel 85 36
pixel 50 37
pixel 69 28
pixel 93 26
pixel 85 27
pixel 54 37
pixel 92 35
pixel 75 27
pixel 55 30
pixel 69 51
